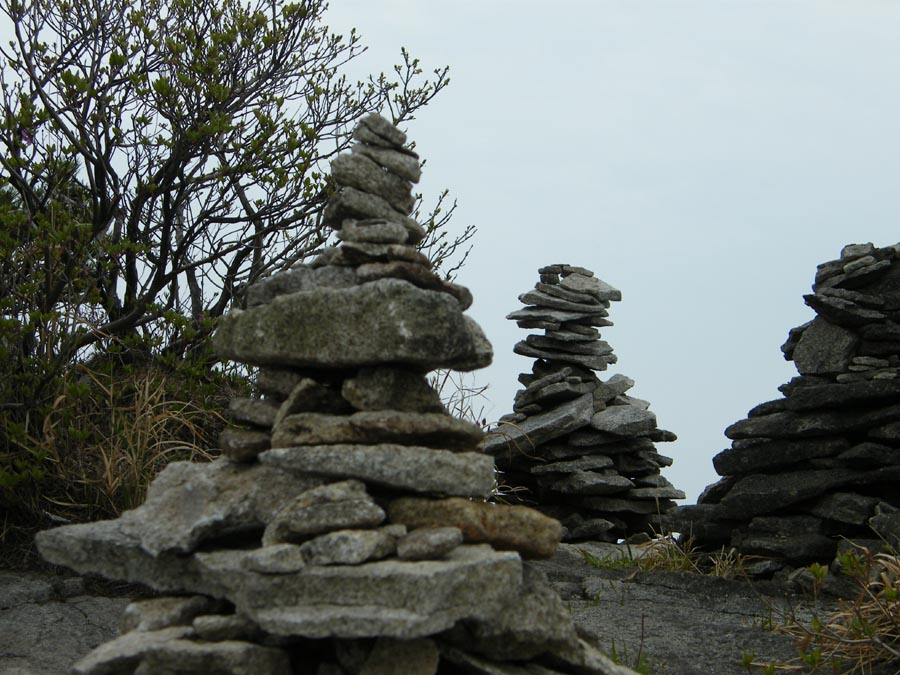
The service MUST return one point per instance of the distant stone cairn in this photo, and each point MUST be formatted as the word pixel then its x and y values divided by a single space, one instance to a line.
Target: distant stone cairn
pixel 580 446
pixel 821 465
pixel 345 530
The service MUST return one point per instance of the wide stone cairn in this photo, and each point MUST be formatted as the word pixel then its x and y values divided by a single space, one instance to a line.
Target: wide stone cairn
pixel 345 528
pixel 582 447
pixel 821 463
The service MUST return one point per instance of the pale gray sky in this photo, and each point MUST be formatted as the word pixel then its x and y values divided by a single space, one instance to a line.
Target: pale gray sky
pixel 702 156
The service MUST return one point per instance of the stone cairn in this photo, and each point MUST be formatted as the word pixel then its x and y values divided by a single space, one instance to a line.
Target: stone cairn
pixel 345 529
pixel 583 449
pixel 819 465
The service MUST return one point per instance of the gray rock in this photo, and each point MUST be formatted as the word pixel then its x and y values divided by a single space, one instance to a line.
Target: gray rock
pixel 322 509
pixel 592 286
pixel 373 232
pixel 625 505
pixel 844 507
pixel 243 445
pixel 582 463
pixel 588 361
pixel 157 613
pixel 789 424
pixel 429 543
pixel 800 547
pixel 843 312
pixel 403 164
pixel 124 654
pixel 595 347
pixel 385 321
pixel 354 204
pixel 377 426
pixel 230 657
pixel 557 317
pixel 417 275
pixel 386 388
pixel 824 348
pixel 253 411
pixel 188 504
pixel 276 559
pixel 869 455
pixel 352 547
pixel 355 253
pixel 382 128
pixel 771 455
pixel 301 278
pixel 615 386
pixel 390 656
pixel 536 621
pixel 221 627
pixel 655 493
pixel 624 420
pixel 309 396
pixel 591 483
pixel 402 467
pixel 392 598
pixel 360 172
pixel 524 437
pixel 539 299
pixel 558 291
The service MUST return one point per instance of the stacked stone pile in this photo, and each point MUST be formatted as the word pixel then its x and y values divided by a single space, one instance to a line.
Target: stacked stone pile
pixel 822 462
pixel 345 529
pixel 584 450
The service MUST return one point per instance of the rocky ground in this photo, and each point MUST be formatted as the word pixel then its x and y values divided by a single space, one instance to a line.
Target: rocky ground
pixel 679 623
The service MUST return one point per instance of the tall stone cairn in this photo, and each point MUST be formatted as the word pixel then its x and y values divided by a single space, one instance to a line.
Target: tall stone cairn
pixel 581 447
pixel 821 464
pixel 344 531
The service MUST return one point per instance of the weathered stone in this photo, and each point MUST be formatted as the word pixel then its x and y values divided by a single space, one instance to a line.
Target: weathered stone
pixel 624 505
pixel 615 386
pixel 594 348
pixel 402 657
pixel 563 293
pixel 309 396
pixel 124 654
pixel 588 361
pixel 415 274
pixel 824 348
pixel 539 299
pixel 373 232
pixel 300 278
pixel 403 467
pixel 230 657
pixel 386 388
pixel 276 559
pixel 799 547
pixel 382 128
pixel 591 483
pixel 791 424
pixel 358 171
pixel 504 527
pixel 385 321
pixel 592 286
pixel 392 598
pixel 583 463
pixel 354 204
pixel 557 316
pixel 360 253
pixel 221 627
pixel 322 509
pixel 655 493
pixel 842 312
pixel 158 613
pixel 844 507
pixel 402 164
pixel 770 455
pixel 377 426
pixel 535 622
pixel 624 420
pixel 254 411
pixel 188 504
pixel 429 543
pixel 526 435
pixel 243 445
pixel 352 547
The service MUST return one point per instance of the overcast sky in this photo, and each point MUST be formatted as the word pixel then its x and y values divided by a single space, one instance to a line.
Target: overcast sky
pixel 701 156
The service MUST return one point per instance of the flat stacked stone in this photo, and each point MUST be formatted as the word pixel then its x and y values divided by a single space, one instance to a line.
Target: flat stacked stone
pixel 345 529
pixel 822 462
pixel 583 449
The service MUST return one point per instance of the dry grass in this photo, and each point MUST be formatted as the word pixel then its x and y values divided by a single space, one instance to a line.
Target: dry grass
pixel 864 632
